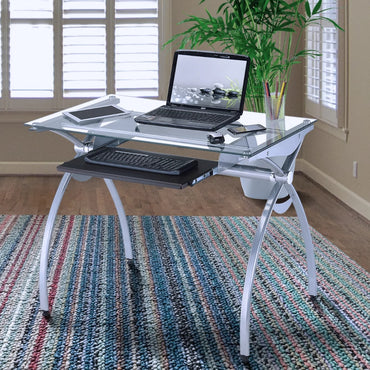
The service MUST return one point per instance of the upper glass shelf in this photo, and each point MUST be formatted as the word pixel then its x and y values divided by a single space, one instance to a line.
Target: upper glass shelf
pixel 125 128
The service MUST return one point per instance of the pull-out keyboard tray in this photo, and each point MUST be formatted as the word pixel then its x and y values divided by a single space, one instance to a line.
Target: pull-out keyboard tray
pixel 201 171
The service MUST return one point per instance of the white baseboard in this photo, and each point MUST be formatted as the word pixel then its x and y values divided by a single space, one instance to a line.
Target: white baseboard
pixel 354 201
pixel 29 168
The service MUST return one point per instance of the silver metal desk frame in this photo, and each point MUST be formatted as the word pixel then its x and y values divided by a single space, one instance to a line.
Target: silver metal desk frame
pixel 229 165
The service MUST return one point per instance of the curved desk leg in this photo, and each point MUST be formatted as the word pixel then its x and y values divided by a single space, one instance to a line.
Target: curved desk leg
pixel 43 289
pixel 122 217
pixel 251 269
pixel 306 234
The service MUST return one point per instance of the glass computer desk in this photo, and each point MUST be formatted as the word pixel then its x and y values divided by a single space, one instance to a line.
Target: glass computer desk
pixel 237 157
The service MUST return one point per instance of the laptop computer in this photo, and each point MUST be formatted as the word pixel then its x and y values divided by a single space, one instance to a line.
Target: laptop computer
pixel 206 91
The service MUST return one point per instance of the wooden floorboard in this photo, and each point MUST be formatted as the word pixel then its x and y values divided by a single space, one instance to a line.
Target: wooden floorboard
pixel 218 195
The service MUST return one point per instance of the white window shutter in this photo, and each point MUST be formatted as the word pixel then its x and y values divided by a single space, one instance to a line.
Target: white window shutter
pixel 80 49
pixel 321 72
pixel 137 59
pixel 136 47
pixel 84 60
pixel 31 49
pixel 80 9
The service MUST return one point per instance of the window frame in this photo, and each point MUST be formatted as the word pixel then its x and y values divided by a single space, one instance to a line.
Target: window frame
pixel 339 125
pixel 57 102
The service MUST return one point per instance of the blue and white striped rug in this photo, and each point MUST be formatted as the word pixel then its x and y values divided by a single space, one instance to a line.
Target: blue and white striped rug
pixel 178 307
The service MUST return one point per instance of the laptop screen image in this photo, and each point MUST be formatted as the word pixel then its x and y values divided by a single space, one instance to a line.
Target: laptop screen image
pixel 204 80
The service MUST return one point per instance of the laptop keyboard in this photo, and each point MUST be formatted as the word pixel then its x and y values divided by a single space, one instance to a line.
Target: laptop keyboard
pixel 189 115
pixel 139 160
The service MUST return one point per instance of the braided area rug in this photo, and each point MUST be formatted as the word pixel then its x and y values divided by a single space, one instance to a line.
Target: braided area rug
pixel 178 306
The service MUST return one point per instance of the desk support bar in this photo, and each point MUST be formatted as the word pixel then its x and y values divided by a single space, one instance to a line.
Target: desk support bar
pixel 251 269
pixel 306 234
pixel 44 303
pixel 283 177
pixel 43 289
pixel 255 250
pixel 122 218
pixel 81 147
pixel 244 171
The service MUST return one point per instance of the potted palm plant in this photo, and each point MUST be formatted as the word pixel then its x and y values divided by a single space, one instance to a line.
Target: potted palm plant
pixel 268 31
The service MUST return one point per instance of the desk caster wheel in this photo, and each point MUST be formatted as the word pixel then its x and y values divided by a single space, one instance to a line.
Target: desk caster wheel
pixel 245 360
pixel 130 262
pixel 314 300
pixel 46 315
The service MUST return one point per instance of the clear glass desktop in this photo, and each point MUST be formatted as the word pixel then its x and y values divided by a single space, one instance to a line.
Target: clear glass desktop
pixel 125 128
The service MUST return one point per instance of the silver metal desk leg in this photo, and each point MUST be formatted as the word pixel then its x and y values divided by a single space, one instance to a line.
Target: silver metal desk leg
pixel 43 289
pixel 251 269
pixel 306 234
pixel 122 217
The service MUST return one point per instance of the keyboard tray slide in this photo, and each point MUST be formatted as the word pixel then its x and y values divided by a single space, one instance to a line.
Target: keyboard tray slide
pixel 204 169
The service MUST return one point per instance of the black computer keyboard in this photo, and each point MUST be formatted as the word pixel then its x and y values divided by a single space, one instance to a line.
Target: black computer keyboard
pixel 189 115
pixel 140 160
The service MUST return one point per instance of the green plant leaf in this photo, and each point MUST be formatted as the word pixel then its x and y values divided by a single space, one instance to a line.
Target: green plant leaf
pixel 317 7
pixel 308 9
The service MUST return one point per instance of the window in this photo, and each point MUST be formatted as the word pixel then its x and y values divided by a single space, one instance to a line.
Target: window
pixel 53 51
pixel 324 80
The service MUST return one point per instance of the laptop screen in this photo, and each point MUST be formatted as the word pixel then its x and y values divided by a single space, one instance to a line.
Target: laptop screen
pixel 209 80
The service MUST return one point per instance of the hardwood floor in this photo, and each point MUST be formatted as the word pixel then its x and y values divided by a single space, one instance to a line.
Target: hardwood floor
pixel 218 195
